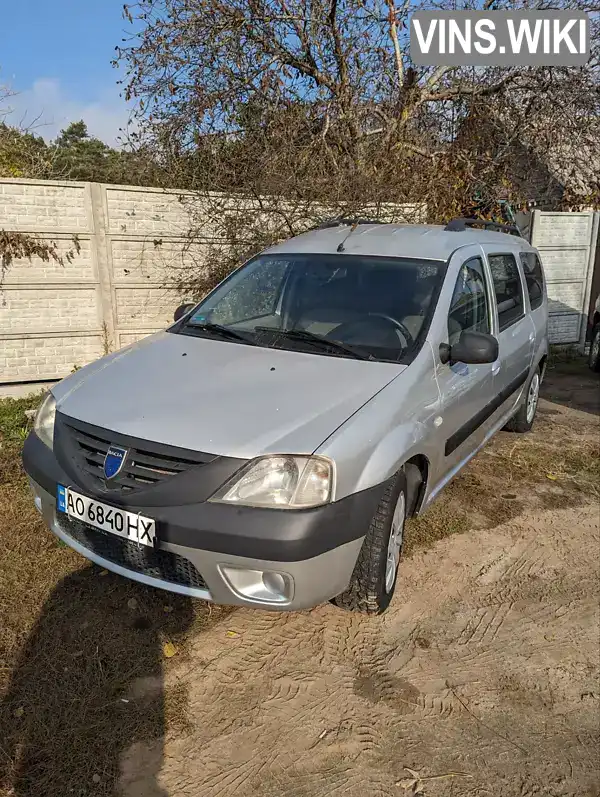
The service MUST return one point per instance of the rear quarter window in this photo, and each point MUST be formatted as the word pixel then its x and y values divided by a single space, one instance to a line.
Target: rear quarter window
pixel 508 289
pixel 534 278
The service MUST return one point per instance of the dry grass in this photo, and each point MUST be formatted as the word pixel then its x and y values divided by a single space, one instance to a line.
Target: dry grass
pixel 74 643
pixel 557 465
pixel 82 666
pixel 573 463
pixel 442 520
pixel 507 477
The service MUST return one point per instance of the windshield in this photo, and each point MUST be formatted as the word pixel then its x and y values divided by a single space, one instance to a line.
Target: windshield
pixel 340 305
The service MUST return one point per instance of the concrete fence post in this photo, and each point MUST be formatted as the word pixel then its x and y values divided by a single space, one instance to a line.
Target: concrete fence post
pixel 587 295
pixel 102 258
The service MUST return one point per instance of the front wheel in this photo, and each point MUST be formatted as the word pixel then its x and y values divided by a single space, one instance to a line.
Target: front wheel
pixel 374 577
pixel 594 355
pixel 522 420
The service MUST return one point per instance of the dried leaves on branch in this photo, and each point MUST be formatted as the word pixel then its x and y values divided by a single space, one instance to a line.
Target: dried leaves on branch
pixel 21 246
pixel 303 108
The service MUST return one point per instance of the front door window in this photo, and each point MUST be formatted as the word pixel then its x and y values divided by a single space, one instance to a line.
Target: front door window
pixel 469 309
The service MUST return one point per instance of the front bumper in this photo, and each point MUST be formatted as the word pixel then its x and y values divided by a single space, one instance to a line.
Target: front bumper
pixel 208 550
pixel 184 517
pixel 313 581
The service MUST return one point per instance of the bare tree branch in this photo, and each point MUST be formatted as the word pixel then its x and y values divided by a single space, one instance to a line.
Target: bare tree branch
pixel 395 42
pixel 316 108
pixel 474 90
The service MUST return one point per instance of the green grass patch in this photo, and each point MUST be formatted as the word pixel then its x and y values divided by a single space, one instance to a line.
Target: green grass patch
pixel 15 425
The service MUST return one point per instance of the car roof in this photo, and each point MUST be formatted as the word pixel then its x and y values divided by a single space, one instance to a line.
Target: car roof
pixel 422 241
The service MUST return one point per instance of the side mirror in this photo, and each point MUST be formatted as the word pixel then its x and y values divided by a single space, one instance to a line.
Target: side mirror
pixel 182 310
pixel 471 348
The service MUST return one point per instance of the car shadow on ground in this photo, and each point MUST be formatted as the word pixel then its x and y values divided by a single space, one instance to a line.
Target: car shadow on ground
pixel 74 704
pixel 572 384
pixel 87 696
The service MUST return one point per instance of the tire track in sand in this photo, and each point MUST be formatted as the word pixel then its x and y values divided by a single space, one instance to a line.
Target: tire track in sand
pixel 477 667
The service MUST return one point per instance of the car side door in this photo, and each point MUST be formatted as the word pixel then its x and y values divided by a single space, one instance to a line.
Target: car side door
pixel 515 329
pixel 466 391
pixel 535 285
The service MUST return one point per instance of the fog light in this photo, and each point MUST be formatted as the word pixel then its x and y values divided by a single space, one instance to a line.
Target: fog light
pixel 261 586
pixel 274 582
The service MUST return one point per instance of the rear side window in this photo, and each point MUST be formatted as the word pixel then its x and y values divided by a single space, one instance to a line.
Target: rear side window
pixel 534 278
pixel 508 289
pixel 469 306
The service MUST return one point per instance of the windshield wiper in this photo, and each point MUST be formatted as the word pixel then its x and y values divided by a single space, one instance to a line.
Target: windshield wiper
pixel 316 340
pixel 219 329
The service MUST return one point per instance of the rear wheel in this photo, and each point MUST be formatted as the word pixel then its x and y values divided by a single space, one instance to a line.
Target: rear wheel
pixel 594 355
pixel 522 420
pixel 374 577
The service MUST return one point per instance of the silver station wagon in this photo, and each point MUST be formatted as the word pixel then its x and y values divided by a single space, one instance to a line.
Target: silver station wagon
pixel 266 449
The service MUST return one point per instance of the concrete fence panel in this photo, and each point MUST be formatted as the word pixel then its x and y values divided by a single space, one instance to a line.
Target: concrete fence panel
pixel 567 244
pixel 132 244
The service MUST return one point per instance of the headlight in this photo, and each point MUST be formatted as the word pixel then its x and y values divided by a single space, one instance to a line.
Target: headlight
pixel 281 481
pixel 44 420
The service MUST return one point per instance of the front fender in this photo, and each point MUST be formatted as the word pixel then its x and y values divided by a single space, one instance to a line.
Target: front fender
pixel 400 445
pixel 395 425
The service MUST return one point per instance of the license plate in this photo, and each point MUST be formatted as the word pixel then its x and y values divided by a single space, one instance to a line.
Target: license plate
pixel 108 518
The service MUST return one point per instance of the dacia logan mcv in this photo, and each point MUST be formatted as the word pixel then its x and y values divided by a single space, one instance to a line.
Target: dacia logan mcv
pixel 266 449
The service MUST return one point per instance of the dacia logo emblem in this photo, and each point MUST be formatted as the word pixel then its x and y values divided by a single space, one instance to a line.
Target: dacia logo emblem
pixel 114 461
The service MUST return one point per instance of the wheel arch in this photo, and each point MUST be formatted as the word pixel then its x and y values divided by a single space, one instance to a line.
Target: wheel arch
pixel 417 470
pixel 542 365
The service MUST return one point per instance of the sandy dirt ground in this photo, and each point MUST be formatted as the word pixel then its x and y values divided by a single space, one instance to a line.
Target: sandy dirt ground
pixel 481 679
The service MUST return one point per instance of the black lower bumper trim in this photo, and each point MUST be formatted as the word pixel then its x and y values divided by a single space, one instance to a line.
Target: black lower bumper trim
pixel 277 535
pixel 152 562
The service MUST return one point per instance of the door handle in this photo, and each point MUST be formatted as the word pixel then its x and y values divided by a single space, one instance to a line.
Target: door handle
pixel 496 368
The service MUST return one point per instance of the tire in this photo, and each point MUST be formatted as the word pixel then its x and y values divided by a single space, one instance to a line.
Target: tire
pixel 370 592
pixel 594 355
pixel 523 419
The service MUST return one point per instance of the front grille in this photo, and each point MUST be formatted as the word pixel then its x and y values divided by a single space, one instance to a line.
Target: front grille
pixel 143 467
pixel 153 562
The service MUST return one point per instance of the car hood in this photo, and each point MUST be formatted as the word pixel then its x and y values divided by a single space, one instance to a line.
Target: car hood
pixel 220 397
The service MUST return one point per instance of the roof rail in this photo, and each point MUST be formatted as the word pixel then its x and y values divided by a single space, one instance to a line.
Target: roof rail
pixel 343 222
pixel 460 225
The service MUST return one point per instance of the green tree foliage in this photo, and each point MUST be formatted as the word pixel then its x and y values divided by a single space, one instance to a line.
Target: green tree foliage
pixel 23 154
pixel 79 156
pixel 74 155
